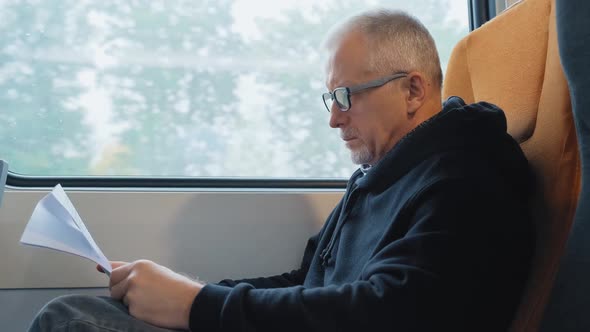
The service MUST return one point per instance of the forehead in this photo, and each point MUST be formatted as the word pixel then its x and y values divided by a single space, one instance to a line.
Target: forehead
pixel 347 63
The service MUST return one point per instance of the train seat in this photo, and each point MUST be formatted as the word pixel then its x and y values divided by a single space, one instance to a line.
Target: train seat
pixel 513 62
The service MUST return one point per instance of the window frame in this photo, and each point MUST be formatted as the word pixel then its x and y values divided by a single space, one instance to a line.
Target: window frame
pixel 34 181
pixel 480 11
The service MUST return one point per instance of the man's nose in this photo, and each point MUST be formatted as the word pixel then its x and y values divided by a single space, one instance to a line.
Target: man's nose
pixel 337 117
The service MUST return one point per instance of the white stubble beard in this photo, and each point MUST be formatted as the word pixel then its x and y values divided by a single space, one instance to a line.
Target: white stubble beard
pixel 361 155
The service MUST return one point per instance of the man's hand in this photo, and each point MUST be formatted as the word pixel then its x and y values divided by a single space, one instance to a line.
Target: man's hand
pixel 154 293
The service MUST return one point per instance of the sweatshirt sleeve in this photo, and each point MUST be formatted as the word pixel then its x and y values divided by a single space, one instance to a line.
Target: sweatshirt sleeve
pixel 427 280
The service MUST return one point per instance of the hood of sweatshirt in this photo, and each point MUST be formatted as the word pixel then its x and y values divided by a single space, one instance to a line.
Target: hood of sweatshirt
pixel 479 127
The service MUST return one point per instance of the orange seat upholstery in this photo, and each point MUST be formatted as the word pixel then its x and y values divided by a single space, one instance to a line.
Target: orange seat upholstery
pixel 513 62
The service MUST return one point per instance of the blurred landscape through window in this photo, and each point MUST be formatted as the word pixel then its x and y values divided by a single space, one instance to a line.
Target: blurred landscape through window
pixel 179 88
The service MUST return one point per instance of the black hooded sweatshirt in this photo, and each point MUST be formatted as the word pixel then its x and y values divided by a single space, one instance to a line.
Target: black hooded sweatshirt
pixel 437 236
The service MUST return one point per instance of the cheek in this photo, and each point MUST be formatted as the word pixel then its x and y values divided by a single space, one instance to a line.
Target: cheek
pixel 380 126
pixel 377 116
pixel 369 131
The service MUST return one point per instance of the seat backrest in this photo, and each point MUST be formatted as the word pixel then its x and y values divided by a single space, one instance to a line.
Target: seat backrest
pixel 513 62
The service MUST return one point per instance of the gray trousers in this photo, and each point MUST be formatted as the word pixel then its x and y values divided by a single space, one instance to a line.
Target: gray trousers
pixel 88 313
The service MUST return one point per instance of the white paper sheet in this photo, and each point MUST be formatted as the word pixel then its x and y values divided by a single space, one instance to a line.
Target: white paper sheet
pixel 55 224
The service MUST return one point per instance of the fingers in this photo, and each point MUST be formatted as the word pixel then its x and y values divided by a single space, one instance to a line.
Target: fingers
pixel 114 265
pixel 126 300
pixel 124 275
pixel 119 290
pixel 120 272
pixel 121 278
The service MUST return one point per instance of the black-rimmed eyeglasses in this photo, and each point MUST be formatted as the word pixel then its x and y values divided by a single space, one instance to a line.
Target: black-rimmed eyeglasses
pixel 342 95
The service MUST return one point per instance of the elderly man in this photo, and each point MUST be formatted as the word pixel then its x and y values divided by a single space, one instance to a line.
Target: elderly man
pixel 432 234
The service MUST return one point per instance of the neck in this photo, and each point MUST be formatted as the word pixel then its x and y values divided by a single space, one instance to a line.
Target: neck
pixel 430 107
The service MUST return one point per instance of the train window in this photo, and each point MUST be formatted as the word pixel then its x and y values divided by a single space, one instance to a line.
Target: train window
pixel 499 6
pixel 179 88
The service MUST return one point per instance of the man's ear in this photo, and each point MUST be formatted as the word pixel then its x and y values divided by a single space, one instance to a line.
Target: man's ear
pixel 417 87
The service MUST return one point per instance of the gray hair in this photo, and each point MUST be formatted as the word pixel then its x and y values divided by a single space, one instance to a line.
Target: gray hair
pixel 397 42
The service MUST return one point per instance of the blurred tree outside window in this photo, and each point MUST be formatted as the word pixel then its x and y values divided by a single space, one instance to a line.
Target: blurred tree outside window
pixel 179 88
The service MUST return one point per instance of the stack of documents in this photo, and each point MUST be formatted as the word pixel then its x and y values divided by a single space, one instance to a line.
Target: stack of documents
pixel 55 224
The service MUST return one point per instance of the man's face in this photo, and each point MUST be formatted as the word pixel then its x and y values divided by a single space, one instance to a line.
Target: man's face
pixel 378 117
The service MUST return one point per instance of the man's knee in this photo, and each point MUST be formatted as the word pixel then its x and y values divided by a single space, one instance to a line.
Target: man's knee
pixel 59 312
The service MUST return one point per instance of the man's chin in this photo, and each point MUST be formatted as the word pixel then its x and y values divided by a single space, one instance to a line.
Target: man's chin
pixel 360 157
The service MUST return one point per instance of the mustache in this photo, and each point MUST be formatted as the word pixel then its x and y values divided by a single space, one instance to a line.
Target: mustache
pixel 348 133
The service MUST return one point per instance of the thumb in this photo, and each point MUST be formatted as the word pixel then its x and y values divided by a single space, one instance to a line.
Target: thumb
pixel 114 265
